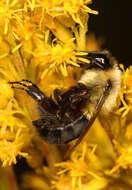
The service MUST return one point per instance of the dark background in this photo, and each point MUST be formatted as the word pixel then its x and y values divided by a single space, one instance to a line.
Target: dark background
pixel 114 24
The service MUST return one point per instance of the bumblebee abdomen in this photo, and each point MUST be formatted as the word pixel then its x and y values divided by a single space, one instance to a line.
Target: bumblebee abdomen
pixel 58 133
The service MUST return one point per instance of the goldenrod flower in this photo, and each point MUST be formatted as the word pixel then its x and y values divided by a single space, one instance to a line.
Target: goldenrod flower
pixel 39 41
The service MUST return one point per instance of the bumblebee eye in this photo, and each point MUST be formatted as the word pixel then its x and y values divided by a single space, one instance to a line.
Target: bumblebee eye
pixel 100 60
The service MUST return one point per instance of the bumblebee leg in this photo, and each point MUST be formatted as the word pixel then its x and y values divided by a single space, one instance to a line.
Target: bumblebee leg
pixel 30 88
pixel 68 123
pixel 57 95
pixel 25 80
pixel 71 97
pixel 99 105
pixel 46 104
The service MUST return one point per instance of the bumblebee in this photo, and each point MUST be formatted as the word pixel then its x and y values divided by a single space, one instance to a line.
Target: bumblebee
pixel 96 90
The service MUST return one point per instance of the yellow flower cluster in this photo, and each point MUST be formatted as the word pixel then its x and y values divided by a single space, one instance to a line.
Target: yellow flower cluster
pixel 34 44
pixel 39 39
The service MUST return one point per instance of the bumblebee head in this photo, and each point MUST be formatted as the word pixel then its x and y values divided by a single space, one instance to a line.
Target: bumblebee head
pixel 99 60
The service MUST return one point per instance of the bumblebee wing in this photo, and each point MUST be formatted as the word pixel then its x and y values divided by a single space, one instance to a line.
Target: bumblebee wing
pixel 99 105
